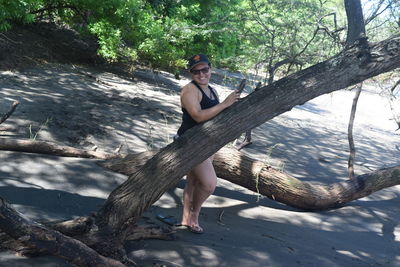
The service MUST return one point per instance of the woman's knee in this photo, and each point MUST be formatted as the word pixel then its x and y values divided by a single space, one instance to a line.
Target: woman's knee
pixel 204 176
pixel 206 188
pixel 208 184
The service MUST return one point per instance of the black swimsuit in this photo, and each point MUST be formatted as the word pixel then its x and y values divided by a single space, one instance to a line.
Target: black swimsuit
pixel 205 103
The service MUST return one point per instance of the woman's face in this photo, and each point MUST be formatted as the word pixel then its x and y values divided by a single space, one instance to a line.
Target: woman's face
pixel 201 73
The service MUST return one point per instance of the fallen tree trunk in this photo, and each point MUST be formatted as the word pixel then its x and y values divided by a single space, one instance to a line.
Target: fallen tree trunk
pixel 33 146
pixel 240 169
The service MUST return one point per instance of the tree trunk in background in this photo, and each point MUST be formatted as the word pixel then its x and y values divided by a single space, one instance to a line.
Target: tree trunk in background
pixel 355 21
pixel 234 166
pixel 171 163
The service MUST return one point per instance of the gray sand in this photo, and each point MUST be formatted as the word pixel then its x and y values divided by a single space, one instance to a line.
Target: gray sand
pixel 62 104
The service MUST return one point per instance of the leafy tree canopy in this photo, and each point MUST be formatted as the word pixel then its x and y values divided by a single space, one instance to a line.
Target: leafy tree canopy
pixel 238 34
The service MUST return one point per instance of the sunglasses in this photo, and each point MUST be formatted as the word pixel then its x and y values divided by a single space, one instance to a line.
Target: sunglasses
pixel 203 70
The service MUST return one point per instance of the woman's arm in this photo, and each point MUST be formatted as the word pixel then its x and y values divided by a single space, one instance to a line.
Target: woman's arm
pixel 190 99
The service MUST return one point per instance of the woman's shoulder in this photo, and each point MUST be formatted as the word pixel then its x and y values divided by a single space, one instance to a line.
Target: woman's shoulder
pixel 189 87
pixel 190 91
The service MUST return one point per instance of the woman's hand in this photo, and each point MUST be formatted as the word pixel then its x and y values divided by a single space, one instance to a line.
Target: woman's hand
pixel 231 98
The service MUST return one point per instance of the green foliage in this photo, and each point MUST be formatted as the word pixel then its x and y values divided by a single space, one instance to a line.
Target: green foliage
pixel 109 38
pixel 238 34
pixel 16 11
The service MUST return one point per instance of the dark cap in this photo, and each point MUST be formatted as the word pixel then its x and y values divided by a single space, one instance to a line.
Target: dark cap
pixel 197 59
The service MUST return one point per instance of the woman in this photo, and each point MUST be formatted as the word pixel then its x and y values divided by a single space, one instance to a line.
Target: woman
pixel 199 103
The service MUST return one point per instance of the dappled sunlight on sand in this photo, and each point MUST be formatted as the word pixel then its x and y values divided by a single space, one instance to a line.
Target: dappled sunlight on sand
pixel 241 227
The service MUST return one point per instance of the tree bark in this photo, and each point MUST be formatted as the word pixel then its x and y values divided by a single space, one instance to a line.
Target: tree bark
pixel 234 166
pixel 355 21
pixel 51 242
pixel 170 164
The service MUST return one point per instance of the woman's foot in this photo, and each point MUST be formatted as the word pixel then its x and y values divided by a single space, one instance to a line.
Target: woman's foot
pixel 195 229
pixel 193 223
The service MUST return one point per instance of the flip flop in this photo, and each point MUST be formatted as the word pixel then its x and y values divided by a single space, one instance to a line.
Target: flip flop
pixel 195 229
pixel 170 220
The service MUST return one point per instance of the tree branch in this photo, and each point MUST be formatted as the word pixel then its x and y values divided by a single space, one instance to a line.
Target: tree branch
pixel 376 12
pixel 394 87
pixel 50 8
pixel 10 112
pixel 350 132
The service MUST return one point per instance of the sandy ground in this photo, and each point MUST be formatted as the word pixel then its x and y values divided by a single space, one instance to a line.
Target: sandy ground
pixel 65 104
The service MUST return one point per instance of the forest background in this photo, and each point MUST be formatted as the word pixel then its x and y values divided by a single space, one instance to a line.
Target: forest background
pixel 257 35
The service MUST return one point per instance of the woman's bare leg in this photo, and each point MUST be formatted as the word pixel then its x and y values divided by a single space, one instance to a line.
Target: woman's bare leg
pixel 205 181
pixel 188 197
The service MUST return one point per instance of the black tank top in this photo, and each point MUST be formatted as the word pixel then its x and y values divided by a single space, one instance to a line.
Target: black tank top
pixel 205 103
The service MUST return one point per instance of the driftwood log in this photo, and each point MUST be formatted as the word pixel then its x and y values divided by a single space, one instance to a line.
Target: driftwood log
pixel 42 147
pixel 43 240
pixel 236 167
pixel 78 241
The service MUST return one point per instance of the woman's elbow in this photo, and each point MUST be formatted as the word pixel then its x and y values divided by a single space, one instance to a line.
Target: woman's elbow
pixel 199 119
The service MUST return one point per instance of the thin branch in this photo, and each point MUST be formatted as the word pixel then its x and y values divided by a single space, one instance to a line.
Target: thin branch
pixel 395 117
pixel 350 132
pixel 308 43
pixel 11 111
pixel 79 11
pixel 327 15
pixel 376 12
pixel 394 87
pixel 51 8
pixel 272 69
pixel 258 18
pixel 332 34
pixel 379 25
pixel 5 36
